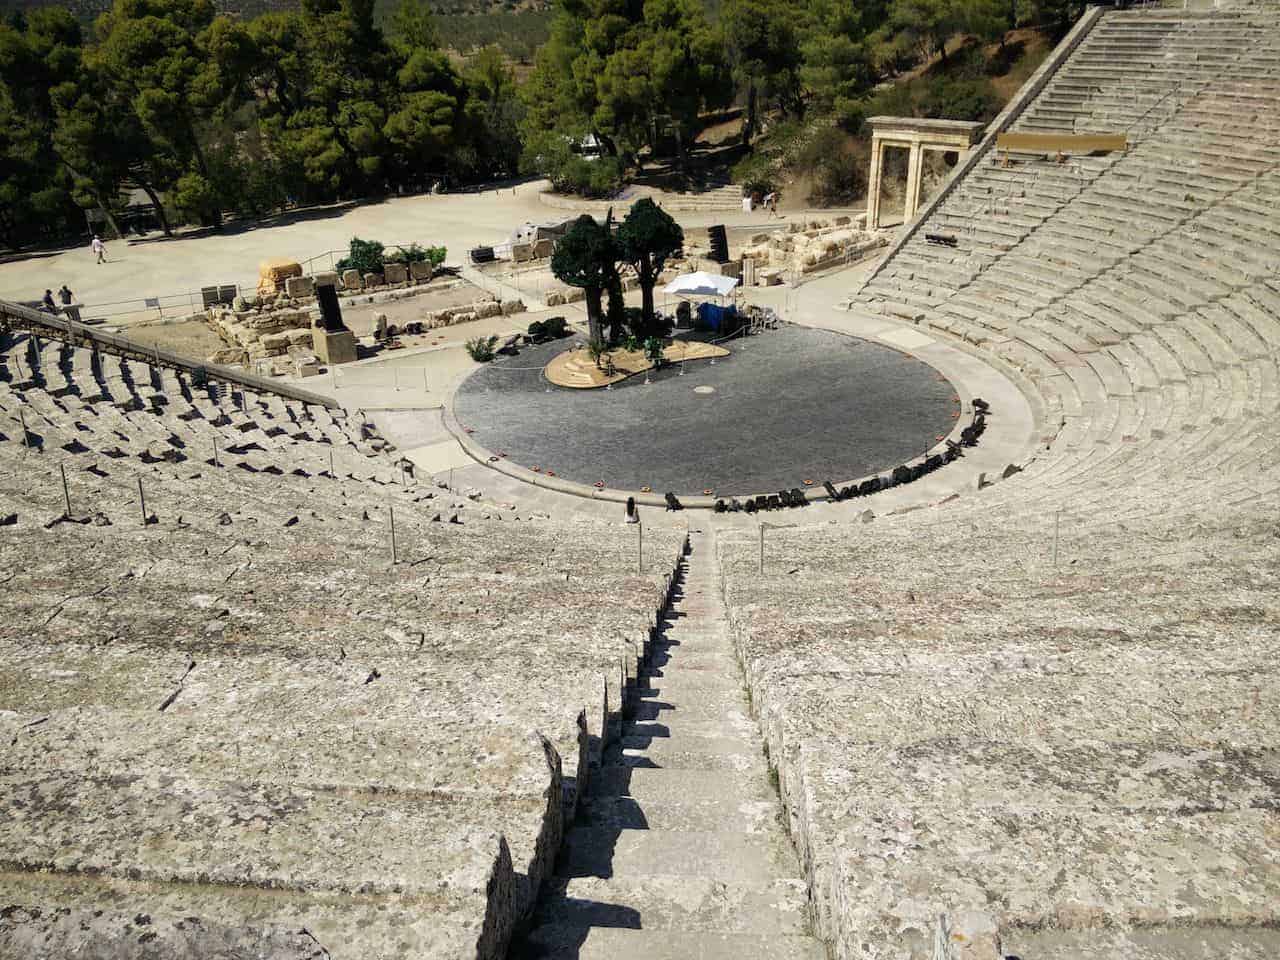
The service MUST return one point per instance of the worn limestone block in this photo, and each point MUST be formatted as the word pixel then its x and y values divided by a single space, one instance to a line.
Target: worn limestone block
pixel 395 272
pixel 350 279
pixel 512 306
pixel 326 279
pixel 333 347
pixel 574 294
pixel 300 286
pixel 543 248
pixel 275 342
pixel 486 308
pixel 466 317
pixel 372 280
pixel 421 270
pixel 521 252
pixel 555 298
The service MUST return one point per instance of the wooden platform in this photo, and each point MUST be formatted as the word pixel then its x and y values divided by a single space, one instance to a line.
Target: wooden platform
pixel 575 368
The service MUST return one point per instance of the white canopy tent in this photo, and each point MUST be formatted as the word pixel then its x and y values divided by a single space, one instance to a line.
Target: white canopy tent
pixel 701 284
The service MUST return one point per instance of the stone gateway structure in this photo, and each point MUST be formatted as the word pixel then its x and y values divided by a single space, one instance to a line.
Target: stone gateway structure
pixel 916 135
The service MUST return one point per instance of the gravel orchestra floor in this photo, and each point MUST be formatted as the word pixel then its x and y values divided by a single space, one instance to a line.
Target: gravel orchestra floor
pixel 786 405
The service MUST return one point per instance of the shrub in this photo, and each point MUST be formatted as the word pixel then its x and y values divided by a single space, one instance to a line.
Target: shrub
pixel 366 256
pixel 555 327
pixel 838 176
pixel 481 349
pixel 413 253
pixel 537 330
pixel 596 349
pixel 597 179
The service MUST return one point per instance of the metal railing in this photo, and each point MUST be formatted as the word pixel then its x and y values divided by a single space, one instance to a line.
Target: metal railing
pixel 152 308
pixel 14 316
pixel 326 262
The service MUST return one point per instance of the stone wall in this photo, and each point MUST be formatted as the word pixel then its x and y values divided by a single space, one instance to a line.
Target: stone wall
pixel 257 333
pixel 805 247
pixel 479 310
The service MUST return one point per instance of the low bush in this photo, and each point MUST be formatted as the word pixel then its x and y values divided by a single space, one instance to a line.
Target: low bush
pixel 366 256
pixel 482 349
pixel 414 253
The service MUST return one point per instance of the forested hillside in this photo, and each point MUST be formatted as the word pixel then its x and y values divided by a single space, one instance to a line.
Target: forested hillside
pixel 209 114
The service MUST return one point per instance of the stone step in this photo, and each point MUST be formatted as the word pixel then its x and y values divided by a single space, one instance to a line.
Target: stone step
pixel 666 902
pixel 594 851
pixel 760 816
pixel 1186 943
pixel 613 943
pixel 681 786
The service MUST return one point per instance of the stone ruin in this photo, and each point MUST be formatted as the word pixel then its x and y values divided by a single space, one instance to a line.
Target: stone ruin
pixel 263 331
pixel 805 247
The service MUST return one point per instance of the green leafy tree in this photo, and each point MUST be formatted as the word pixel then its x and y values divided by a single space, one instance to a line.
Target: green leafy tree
pixel 647 237
pixel 687 67
pixel 586 257
pixel 38 51
pixel 619 70
pixel 927 24
pixel 491 118
pixel 422 130
pixel 413 26
pixel 764 49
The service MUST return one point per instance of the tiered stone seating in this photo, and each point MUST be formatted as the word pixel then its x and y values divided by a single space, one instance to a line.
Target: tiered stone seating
pixel 238 729
pixel 1036 710
pixel 1026 748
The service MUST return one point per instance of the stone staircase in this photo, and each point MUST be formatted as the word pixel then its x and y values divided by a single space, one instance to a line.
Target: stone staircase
pixel 679 850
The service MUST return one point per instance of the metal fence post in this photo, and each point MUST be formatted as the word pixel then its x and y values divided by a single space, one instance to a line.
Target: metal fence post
pixel 142 499
pixel 215 453
pixel 640 549
pixel 393 535
pixel 22 418
pixel 66 492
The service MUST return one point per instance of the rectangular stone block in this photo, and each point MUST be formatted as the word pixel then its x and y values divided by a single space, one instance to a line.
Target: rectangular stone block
pixel 421 270
pixel 350 279
pixel 521 252
pixel 543 248
pixel 326 279
pixel 300 286
pixel 372 280
pixel 333 348
pixel 395 273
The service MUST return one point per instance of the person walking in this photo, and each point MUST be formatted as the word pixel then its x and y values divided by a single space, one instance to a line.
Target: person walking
pixel 65 295
pixel 99 249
